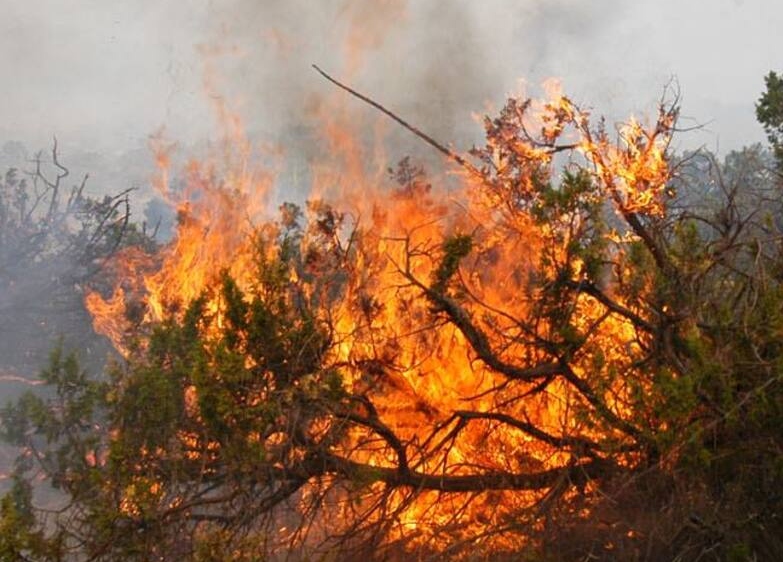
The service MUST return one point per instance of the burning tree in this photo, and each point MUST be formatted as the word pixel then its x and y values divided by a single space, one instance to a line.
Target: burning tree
pixel 562 343
pixel 54 239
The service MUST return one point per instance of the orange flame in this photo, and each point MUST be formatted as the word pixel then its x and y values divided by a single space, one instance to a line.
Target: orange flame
pixel 435 370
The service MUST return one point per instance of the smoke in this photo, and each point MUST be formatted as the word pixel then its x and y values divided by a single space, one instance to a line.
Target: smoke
pixel 104 75
pixel 434 62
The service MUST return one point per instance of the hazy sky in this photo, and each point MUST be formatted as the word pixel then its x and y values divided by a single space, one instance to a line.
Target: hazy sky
pixel 105 74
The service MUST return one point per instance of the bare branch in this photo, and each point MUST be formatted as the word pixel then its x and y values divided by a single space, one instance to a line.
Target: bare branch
pixel 425 137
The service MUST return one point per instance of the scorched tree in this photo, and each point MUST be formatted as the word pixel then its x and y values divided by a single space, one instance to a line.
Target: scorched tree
pixel 574 361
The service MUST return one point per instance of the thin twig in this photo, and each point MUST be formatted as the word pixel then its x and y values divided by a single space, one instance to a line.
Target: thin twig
pixel 416 131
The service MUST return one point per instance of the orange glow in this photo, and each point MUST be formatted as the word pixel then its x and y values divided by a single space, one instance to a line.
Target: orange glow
pixel 431 369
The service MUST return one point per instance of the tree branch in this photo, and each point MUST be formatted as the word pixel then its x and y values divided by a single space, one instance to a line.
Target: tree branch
pixel 577 474
pixel 425 137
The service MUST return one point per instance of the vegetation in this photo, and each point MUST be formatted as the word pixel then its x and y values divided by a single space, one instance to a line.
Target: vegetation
pixel 54 240
pixel 586 364
pixel 769 111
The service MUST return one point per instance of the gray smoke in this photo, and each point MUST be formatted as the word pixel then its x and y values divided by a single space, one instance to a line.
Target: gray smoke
pixel 104 75
pixel 433 62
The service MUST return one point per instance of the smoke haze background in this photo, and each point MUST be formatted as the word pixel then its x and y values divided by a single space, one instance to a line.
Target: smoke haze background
pixel 104 75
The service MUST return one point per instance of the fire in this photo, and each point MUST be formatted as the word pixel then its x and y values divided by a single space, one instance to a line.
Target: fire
pixel 442 400
pixel 215 228
pixel 112 316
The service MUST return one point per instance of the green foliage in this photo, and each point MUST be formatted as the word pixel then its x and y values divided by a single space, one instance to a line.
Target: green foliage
pixel 20 536
pixel 229 407
pixel 63 426
pixel 769 112
pixel 455 249
pixel 193 412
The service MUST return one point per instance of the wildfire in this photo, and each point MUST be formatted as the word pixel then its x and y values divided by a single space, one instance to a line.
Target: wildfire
pixel 439 397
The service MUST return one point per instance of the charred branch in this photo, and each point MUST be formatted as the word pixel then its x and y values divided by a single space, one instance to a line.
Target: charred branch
pixel 450 154
pixel 381 429
pixel 591 289
pixel 480 342
pixel 577 474
pixel 579 445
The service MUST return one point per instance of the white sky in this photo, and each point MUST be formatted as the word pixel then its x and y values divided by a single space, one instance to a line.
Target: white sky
pixel 105 74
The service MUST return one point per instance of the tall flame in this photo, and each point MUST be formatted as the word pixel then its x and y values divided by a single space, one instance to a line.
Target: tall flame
pixel 435 370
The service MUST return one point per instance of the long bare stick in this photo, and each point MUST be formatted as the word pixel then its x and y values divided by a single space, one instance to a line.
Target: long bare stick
pixel 422 135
